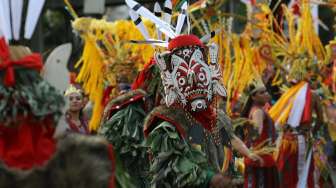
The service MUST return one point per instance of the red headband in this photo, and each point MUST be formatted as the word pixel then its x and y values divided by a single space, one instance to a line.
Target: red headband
pixel 184 40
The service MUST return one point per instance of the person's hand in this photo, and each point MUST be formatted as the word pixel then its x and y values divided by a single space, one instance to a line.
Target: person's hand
pixel 255 157
pixel 220 181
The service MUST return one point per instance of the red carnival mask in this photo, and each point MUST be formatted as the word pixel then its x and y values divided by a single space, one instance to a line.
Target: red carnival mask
pixel 188 78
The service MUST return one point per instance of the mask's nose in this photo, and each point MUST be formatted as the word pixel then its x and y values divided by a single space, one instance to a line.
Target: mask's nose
pixel 191 78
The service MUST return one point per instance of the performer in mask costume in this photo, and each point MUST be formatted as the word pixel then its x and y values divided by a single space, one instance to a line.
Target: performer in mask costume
pixel 30 108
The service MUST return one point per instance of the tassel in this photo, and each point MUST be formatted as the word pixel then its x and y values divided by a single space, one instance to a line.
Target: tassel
pixel 92 78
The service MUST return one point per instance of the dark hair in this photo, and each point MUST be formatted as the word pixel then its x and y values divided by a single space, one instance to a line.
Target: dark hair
pixel 249 102
pixel 247 107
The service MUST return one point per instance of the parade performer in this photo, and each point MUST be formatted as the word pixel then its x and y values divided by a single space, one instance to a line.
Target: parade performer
pixel 188 131
pixel 114 61
pixel 293 112
pixel 29 154
pixel 330 136
pixel 260 136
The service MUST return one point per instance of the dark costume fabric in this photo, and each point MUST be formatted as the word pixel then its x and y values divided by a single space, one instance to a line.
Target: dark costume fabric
pixel 330 152
pixel 183 152
pixel 256 174
pixel 78 161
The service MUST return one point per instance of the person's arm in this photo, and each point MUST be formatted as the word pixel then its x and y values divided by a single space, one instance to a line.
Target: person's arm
pixel 239 145
pixel 177 163
pixel 235 142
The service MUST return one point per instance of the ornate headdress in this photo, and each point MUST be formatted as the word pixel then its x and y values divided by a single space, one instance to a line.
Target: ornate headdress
pixel 187 76
pixel 72 89
pixel 255 86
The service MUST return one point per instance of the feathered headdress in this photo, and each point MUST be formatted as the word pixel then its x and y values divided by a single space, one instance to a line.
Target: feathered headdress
pixel 162 21
pixel 108 55
pixel 174 42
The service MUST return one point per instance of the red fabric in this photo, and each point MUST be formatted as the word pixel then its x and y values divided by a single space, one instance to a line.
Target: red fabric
pixel 296 9
pixel 27 145
pixel 307 111
pixel 184 40
pixel 33 61
pixel 268 168
pixel 106 95
pixel 268 161
pixel 113 161
pixel 125 103
pixel 143 75
pixel 270 177
pixel 73 77
pixel 207 118
pixel 287 163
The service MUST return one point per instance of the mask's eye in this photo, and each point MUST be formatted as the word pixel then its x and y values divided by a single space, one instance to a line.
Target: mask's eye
pixel 181 81
pixel 201 76
pixel 186 52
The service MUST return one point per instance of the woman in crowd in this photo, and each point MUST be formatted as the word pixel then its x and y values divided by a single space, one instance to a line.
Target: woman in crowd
pixel 260 136
pixel 75 118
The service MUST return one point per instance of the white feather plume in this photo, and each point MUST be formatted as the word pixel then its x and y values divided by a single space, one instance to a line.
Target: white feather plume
pixel 181 18
pixel 163 26
pixel 16 11
pixel 158 11
pixel 5 22
pixel 167 13
pixel 135 18
pixel 33 13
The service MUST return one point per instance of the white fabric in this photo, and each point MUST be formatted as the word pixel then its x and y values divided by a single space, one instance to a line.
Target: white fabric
pixel 296 112
pixel 5 23
pixel 33 13
pixel 16 7
pixel 301 157
pixel 303 175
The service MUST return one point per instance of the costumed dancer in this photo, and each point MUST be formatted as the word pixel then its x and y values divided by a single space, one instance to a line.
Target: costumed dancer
pixel 114 60
pixel 260 136
pixel 330 147
pixel 187 132
pixel 294 112
pixel 29 154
